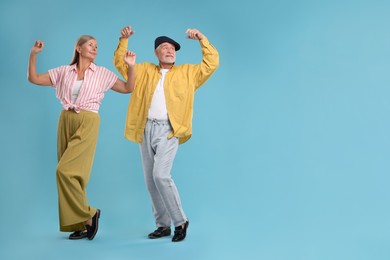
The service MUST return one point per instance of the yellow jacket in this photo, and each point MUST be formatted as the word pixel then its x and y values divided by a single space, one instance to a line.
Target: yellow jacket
pixel 180 85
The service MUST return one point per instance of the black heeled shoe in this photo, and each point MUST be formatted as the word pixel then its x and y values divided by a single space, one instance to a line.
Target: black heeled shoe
pixel 180 232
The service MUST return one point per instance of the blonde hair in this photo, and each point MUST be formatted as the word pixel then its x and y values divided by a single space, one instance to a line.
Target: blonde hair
pixel 80 41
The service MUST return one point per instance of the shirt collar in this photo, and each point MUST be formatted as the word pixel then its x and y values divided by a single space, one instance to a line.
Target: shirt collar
pixel 92 67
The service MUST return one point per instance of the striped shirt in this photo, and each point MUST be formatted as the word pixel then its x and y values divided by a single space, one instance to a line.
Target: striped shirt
pixel 97 81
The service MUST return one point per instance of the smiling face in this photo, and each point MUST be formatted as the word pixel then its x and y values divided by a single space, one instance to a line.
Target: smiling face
pixel 88 50
pixel 166 54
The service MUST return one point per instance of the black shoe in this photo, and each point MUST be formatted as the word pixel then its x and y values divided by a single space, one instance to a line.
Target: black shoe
pixel 92 230
pixel 180 232
pixel 160 232
pixel 78 234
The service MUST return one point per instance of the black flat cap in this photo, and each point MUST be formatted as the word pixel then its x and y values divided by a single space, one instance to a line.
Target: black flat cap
pixel 162 39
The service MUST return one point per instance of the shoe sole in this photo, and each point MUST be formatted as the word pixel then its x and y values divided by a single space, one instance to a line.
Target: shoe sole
pixel 84 235
pixel 155 237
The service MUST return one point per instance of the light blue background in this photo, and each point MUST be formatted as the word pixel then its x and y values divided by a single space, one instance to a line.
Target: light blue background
pixel 289 157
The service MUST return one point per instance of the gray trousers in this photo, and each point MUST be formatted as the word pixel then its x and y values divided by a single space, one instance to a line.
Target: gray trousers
pixel 158 153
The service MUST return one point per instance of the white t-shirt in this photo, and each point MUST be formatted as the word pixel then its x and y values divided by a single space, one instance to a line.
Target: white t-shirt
pixel 76 90
pixel 158 107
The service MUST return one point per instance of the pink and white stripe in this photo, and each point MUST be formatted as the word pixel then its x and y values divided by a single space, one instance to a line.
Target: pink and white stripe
pixel 97 81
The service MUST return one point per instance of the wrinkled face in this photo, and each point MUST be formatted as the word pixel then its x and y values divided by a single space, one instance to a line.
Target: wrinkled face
pixel 88 49
pixel 166 53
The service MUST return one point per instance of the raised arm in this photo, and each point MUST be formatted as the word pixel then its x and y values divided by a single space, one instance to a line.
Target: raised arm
pixel 33 77
pixel 121 51
pixel 128 86
pixel 210 56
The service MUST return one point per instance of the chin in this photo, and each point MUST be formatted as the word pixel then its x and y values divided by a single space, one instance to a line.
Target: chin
pixel 169 60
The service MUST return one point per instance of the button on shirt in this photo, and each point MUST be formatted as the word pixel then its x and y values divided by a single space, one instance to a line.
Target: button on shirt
pixel 97 81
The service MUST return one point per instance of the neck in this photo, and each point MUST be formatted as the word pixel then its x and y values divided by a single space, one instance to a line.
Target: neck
pixel 83 65
pixel 166 65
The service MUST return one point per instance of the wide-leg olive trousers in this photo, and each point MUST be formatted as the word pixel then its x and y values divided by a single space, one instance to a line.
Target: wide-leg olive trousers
pixel 77 138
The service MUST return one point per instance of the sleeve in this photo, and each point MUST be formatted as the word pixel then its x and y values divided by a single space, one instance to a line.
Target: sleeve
pixel 209 64
pixel 55 75
pixel 119 53
pixel 109 78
